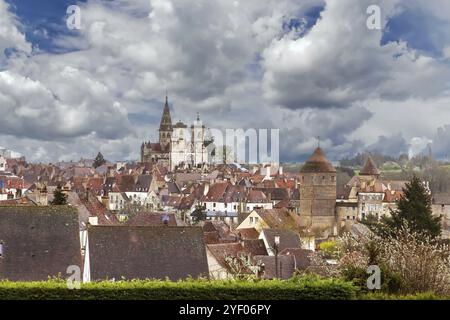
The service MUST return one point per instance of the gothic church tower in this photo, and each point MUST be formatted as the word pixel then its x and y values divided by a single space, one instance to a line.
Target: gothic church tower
pixel 165 128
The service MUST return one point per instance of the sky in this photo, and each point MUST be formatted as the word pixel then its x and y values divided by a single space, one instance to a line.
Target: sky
pixel 306 67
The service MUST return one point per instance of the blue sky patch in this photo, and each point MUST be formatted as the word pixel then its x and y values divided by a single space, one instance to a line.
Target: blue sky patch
pixel 43 20
pixel 421 30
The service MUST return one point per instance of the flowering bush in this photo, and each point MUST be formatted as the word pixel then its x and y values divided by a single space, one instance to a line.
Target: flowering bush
pixel 409 262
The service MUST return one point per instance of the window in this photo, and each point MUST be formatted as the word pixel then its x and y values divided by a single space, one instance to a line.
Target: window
pixel 256 219
pixel 214 205
pixel 251 219
pixel 1 249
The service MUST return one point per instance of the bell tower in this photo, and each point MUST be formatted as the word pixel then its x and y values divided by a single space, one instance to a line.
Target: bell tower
pixel 165 128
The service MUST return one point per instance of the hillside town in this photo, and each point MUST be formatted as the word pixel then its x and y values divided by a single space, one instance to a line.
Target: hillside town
pixel 139 220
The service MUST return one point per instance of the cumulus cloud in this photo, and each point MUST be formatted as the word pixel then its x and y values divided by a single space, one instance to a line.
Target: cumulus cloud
pixel 240 63
pixel 31 109
pixel 340 62
pixel 10 35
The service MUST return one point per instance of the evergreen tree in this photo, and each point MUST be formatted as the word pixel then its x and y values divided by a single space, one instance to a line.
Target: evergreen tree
pixel 59 197
pixel 99 160
pixel 414 209
pixel 199 214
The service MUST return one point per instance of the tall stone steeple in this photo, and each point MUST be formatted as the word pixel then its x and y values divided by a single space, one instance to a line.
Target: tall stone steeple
pixel 165 127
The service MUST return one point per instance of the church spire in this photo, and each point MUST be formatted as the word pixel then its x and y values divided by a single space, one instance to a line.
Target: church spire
pixel 166 120
pixel 370 168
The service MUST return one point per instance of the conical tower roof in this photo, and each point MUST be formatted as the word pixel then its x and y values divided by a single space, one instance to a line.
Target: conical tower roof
pixel 369 169
pixel 166 120
pixel 318 162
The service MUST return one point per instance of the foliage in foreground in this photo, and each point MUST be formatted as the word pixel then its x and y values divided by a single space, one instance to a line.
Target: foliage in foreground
pixel 410 262
pixel 387 296
pixel 298 288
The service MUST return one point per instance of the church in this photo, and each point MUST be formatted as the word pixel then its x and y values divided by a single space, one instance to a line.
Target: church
pixel 179 146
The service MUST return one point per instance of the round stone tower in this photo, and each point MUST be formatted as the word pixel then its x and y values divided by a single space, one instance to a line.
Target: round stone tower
pixel 318 194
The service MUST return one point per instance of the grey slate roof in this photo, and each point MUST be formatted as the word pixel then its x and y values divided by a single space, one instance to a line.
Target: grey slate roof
pixel 38 242
pixel 145 252
pixel 288 238
pixel 143 183
pixel 285 263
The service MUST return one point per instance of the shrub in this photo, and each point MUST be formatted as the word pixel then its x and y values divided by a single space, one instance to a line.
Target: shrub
pixel 387 296
pixel 298 288
pixel 329 249
pixel 423 264
pixel 410 263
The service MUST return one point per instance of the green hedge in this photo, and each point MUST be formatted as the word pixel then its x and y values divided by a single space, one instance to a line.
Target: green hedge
pixel 296 289
pixel 417 296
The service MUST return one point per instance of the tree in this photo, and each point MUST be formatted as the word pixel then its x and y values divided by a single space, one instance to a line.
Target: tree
pixel 199 214
pixel 329 249
pixel 131 208
pixel 59 197
pixel 414 210
pixel 99 160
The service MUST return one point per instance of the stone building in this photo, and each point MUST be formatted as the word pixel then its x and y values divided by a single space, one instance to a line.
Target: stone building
pixel 318 195
pixel 188 147
pixel 159 152
pixel 367 195
pixel 178 144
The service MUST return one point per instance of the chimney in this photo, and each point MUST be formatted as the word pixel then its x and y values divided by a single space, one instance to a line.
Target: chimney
pixel 41 197
pixel 206 188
